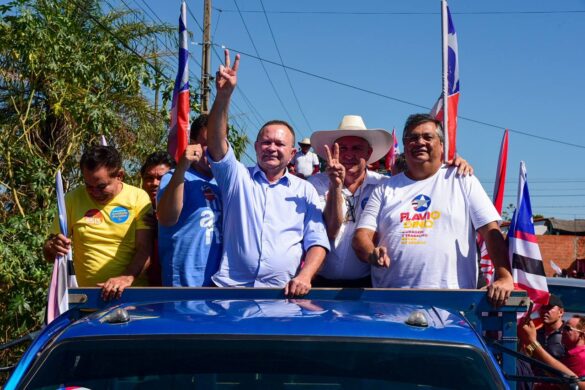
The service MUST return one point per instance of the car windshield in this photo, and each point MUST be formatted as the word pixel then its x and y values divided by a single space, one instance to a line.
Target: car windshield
pixel 259 363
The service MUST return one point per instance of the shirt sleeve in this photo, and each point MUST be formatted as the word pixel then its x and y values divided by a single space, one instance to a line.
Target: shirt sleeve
pixel 481 208
pixel 164 182
pixel 228 172
pixel 370 215
pixel 321 187
pixel 314 232
pixel 143 208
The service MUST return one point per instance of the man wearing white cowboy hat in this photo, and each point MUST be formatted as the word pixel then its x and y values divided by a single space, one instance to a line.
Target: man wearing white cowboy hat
pixel 426 221
pixel 305 162
pixel 345 188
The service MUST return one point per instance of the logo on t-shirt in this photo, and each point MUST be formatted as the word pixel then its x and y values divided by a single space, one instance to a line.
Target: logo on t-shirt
pixel 119 214
pixel 421 203
pixel 365 202
pixel 208 193
pixel 93 217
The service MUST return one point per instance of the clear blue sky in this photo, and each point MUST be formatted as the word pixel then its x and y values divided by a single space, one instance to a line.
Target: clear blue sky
pixel 522 66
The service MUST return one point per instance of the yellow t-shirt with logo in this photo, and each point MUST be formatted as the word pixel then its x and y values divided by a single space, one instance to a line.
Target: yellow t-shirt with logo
pixel 104 236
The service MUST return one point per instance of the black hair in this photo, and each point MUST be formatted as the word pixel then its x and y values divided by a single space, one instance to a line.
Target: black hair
pixel 159 157
pixel 415 120
pixel 199 123
pixel 99 156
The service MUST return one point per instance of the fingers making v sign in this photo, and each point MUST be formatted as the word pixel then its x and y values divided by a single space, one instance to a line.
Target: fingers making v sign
pixel 335 170
pixel 226 77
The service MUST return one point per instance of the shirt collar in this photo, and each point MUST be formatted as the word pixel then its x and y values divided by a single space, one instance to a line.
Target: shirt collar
pixel 258 172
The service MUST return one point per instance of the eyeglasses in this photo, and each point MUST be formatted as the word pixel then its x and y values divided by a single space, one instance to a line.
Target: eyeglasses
pixel 411 138
pixel 568 328
pixel 350 213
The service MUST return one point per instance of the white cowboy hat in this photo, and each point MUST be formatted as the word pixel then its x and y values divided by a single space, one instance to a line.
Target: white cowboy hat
pixel 305 141
pixel 353 125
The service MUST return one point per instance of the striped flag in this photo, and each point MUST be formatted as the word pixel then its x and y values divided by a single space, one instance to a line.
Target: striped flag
pixel 63 276
pixel 450 85
pixel 525 257
pixel 178 136
pixel 392 153
pixel 485 263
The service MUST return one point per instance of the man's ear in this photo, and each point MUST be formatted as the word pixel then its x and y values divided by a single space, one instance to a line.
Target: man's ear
pixel 120 174
pixel 292 154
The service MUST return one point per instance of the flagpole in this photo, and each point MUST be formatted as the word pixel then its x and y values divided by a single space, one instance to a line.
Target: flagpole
pixel 445 51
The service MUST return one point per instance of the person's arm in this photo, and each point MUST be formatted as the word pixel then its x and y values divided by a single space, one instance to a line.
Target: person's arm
pixel 225 83
pixel 171 201
pixel 333 212
pixel 530 344
pixel 301 284
pixel 498 291
pixel 114 287
pixel 366 250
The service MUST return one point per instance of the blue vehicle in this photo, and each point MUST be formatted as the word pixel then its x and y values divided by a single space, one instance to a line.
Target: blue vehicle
pixel 258 339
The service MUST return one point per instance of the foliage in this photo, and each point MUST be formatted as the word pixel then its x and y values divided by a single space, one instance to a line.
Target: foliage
pixel 70 72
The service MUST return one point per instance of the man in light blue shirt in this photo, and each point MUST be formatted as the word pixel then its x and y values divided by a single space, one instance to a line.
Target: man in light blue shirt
pixel 272 219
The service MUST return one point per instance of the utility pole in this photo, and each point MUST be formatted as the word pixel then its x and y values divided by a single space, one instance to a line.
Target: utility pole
pixel 206 57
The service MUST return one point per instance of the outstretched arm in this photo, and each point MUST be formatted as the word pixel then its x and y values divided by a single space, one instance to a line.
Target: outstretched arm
pixel 225 83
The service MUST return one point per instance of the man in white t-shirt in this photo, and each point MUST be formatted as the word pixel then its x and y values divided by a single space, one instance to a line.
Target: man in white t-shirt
pixel 426 219
pixel 305 162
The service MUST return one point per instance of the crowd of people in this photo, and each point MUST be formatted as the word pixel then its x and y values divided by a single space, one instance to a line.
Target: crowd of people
pixel 207 220
pixel 210 221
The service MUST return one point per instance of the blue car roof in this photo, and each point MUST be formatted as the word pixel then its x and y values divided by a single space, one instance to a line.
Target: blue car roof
pixel 281 317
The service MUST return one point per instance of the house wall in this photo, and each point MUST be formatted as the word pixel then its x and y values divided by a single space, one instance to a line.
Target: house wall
pixel 563 250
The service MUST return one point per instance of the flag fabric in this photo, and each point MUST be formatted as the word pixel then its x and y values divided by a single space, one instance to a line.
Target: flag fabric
pixel 63 276
pixel 452 90
pixel 558 270
pixel 525 258
pixel 486 266
pixel 392 153
pixel 178 136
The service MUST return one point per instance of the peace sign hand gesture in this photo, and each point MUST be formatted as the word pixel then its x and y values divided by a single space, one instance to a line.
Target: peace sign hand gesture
pixel 334 170
pixel 226 77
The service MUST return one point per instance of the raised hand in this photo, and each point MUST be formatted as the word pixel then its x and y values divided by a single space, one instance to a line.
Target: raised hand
pixel 226 77
pixel 192 155
pixel 334 170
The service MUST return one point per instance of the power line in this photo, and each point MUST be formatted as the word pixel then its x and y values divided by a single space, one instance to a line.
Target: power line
pixel 282 63
pixel 264 67
pixel 382 13
pixel 405 101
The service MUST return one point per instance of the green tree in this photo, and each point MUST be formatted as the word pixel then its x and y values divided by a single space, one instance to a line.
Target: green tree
pixel 70 72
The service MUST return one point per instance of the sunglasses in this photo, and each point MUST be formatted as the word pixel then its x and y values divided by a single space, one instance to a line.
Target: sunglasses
pixel 568 328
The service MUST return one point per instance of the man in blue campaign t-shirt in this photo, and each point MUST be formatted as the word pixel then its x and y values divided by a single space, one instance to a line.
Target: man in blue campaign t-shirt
pixel 189 212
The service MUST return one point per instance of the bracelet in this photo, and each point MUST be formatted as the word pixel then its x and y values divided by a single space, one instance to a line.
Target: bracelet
pixel 530 348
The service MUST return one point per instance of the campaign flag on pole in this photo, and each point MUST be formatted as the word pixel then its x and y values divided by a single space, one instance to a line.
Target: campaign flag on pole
pixel 525 257
pixel 178 136
pixel 63 276
pixel 451 89
pixel 485 263
pixel 392 153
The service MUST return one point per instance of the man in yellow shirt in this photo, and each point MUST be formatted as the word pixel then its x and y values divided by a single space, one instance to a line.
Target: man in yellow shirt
pixel 109 226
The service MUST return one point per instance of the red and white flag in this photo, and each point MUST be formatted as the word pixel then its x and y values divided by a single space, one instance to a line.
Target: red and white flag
pixel 486 266
pixel 524 253
pixel 178 137
pixel 448 114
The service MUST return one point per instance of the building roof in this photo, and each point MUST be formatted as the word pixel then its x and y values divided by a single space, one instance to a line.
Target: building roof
pixel 567 226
